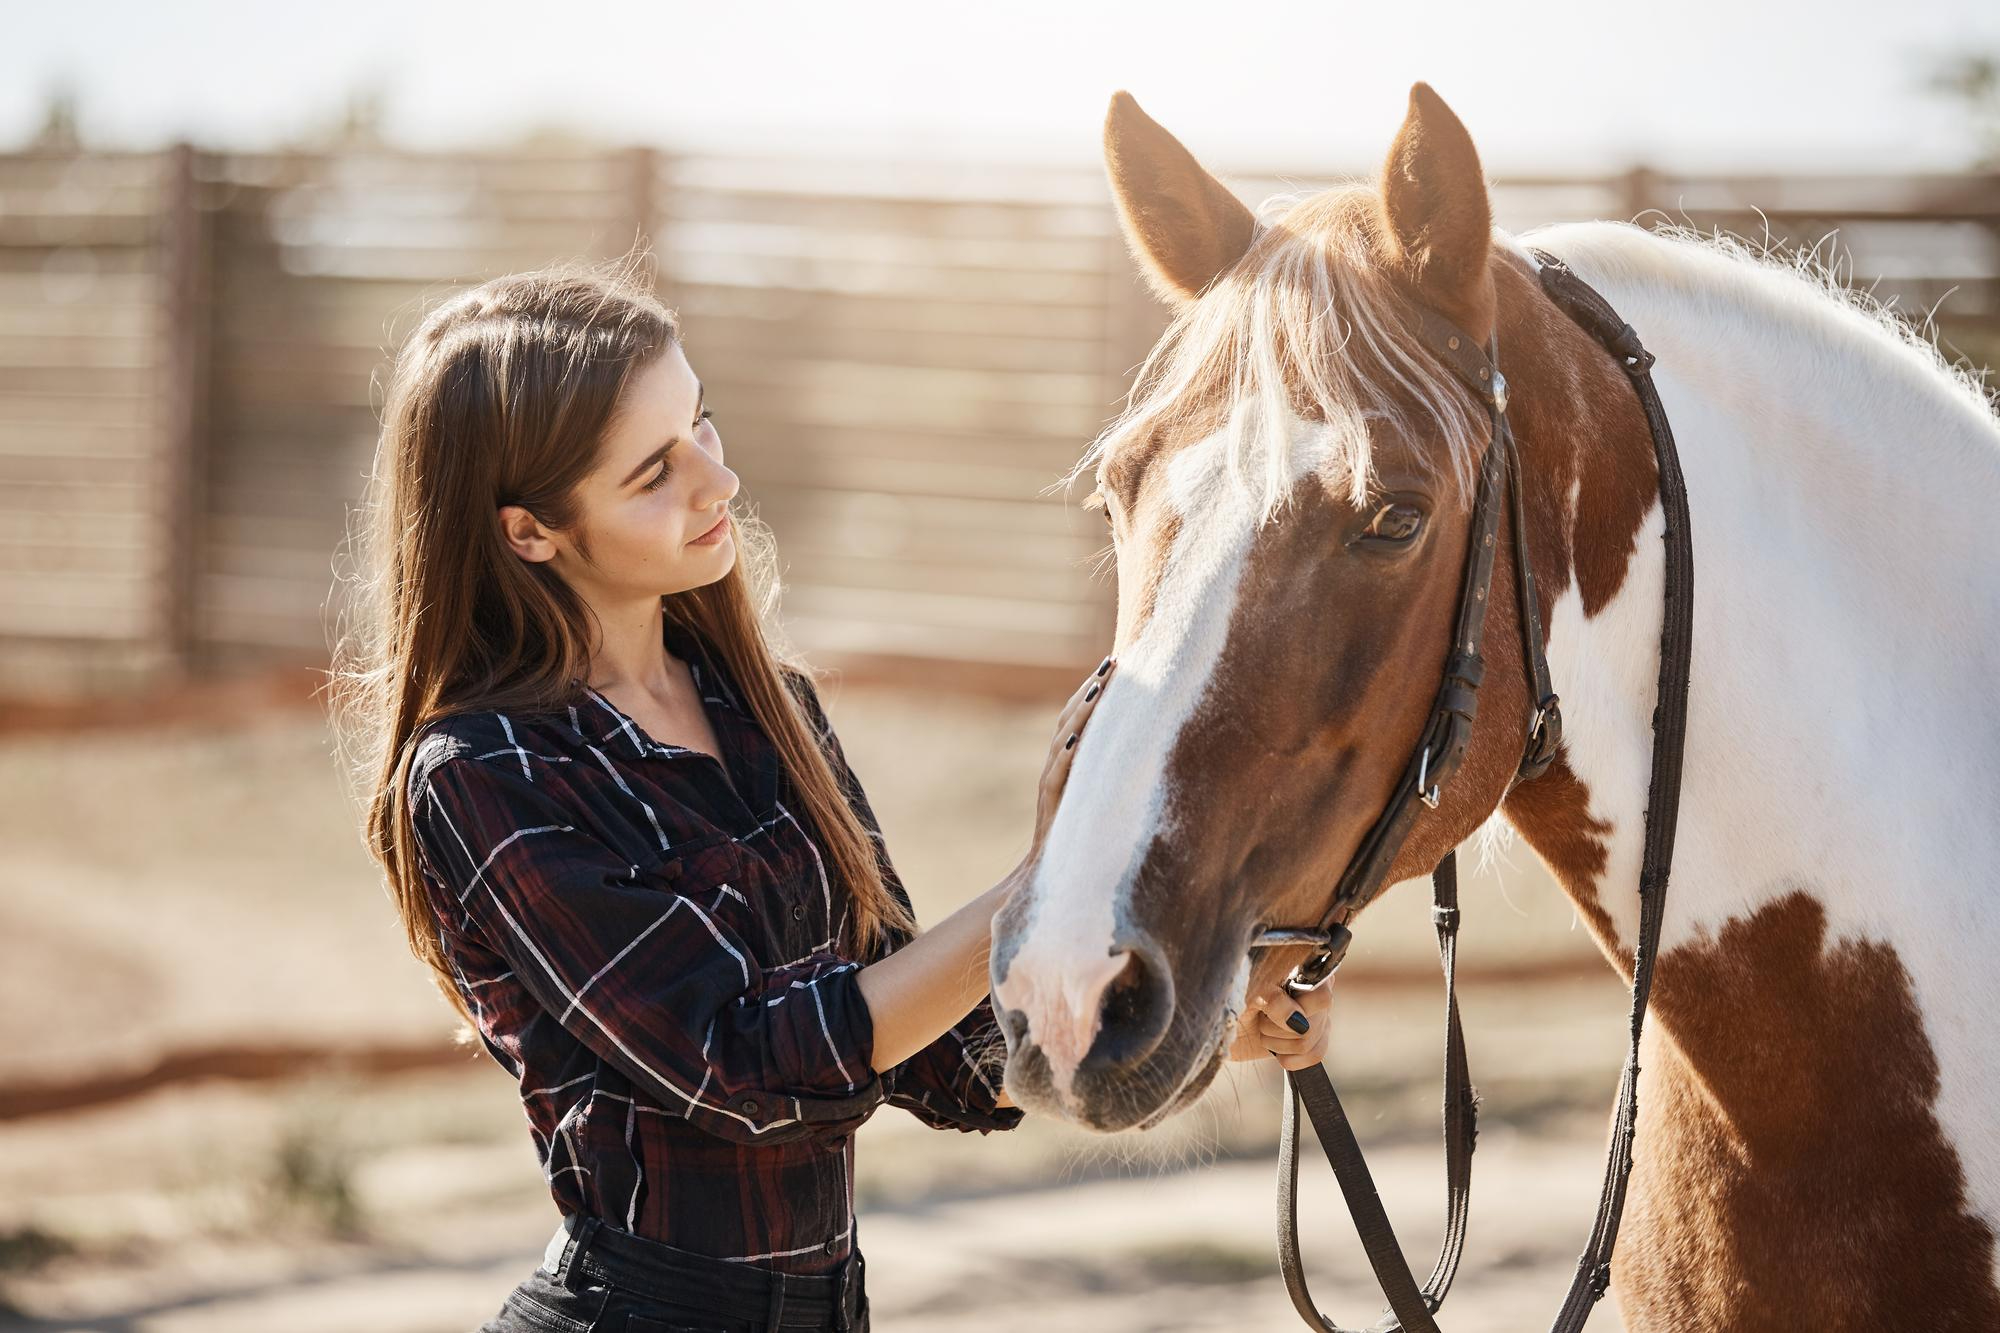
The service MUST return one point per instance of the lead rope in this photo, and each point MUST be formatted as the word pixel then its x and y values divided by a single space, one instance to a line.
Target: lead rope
pixel 1411 1307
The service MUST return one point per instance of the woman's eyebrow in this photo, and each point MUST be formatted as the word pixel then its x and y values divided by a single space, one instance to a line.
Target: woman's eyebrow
pixel 700 400
pixel 648 461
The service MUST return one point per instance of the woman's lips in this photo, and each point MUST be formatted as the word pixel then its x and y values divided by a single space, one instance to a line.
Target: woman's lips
pixel 714 534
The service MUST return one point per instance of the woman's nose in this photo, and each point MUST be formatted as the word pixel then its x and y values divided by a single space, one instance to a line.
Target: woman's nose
pixel 721 487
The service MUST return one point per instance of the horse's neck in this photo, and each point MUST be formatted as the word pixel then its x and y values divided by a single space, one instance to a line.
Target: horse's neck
pixel 1843 755
pixel 1841 735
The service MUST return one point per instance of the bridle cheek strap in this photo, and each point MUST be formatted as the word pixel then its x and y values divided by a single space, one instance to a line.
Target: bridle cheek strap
pixel 1437 756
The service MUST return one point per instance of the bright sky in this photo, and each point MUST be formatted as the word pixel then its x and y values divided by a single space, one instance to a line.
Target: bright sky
pixel 1784 84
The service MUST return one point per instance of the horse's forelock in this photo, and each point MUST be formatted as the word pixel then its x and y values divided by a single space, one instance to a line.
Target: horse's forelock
pixel 1308 321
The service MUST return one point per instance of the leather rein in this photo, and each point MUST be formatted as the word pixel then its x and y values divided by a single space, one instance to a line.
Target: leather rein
pixel 1437 756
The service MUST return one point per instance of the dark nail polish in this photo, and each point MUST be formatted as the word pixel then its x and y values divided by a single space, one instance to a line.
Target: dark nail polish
pixel 1070 742
pixel 1091 693
pixel 1104 666
pixel 1298 1023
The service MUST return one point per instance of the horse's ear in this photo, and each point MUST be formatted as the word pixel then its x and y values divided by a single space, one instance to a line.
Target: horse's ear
pixel 1440 222
pixel 1182 224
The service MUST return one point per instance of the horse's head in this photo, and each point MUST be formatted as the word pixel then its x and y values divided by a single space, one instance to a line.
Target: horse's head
pixel 1287 494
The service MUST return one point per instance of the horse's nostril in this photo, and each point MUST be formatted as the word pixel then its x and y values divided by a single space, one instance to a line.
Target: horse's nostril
pixel 1013 1026
pixel 1136 1009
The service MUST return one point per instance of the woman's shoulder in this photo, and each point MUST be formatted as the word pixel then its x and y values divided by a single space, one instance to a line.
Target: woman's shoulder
pixel 480 736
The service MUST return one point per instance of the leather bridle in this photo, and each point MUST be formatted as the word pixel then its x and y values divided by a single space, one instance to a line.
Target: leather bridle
pixel 1436 758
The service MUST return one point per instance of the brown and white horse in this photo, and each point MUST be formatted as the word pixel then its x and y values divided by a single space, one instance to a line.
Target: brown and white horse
pixel 1819 1142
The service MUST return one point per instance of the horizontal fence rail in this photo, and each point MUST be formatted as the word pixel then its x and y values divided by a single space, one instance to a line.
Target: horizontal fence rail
pixel 904 360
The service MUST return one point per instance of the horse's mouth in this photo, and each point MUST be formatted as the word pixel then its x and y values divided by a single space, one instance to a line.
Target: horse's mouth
pixel 1200 1074
pixel 1108 1102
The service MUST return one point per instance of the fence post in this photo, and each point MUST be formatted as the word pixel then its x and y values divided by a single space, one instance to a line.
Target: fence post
pixel 182 362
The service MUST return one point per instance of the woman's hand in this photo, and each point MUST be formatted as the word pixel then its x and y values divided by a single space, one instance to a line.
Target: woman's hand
pixel 1062 750
pixel 1272 1026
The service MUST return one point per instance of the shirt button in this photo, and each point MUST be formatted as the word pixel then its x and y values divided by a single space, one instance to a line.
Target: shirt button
pixel 832 1246
pixel 748 1106
pixel 798 913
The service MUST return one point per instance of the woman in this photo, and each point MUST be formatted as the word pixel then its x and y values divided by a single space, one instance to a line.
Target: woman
pixel 623 836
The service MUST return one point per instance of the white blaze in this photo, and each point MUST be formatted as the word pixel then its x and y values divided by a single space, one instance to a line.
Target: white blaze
pixel 1117 800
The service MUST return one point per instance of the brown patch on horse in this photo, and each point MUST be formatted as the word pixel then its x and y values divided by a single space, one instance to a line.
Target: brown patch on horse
pixel 1552 814
pixel 1580 429
pixel 1791 1172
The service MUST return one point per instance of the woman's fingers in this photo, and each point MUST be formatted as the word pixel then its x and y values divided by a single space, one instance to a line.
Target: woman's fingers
pixel 1062 749
pixel 1075 713
pixel 1292 1028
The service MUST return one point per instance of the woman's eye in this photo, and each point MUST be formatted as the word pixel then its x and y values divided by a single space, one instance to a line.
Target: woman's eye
pixel 659 478
pixel 1394 523
pixel 707 414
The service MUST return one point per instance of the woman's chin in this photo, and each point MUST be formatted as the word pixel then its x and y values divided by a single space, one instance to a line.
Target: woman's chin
pixel 703 565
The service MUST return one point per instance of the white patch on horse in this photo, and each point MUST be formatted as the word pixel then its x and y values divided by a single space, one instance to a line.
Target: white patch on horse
pixel 1841 735
pixel 1117 801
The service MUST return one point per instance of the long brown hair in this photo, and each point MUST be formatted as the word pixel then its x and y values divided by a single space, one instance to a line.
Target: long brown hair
pixel 502 396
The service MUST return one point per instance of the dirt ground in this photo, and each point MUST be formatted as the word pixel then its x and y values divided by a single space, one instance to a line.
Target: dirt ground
pixel 195 885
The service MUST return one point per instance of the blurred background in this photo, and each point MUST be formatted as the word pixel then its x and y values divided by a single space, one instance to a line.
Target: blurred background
pixel 228 1099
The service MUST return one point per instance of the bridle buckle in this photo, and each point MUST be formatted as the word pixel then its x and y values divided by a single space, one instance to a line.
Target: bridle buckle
pixel 1329 945
pixel 1427 791
pixel 1544 737
pixel 1323 963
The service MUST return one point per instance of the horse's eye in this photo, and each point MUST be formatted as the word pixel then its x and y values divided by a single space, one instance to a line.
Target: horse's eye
pixel 1395 523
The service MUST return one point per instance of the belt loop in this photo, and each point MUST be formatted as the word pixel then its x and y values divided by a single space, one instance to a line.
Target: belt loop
pixel 774 1318
pixel 580 1237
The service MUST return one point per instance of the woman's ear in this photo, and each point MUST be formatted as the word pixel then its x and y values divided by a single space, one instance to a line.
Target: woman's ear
pixel 525 535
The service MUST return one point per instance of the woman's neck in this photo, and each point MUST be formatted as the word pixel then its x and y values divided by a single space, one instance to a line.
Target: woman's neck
pixel 630 656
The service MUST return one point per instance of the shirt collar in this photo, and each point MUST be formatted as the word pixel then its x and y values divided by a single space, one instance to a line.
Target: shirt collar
pixel 605 723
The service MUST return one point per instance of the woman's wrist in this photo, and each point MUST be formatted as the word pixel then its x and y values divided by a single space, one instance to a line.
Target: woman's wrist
pixel 923 988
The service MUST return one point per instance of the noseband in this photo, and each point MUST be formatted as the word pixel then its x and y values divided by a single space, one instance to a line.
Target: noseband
pixel 1436 758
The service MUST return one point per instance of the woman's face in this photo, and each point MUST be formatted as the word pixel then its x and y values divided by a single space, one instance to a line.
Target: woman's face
pixel 654 512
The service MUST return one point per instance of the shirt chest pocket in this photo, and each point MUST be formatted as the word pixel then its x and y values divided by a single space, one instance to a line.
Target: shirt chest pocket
pixel 742 891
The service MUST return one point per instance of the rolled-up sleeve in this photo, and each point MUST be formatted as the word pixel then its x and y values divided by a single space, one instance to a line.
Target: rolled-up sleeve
pixel 653 983
pixel 955 1082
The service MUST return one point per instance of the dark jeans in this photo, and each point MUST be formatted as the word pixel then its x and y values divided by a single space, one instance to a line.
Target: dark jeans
pixel 600 1280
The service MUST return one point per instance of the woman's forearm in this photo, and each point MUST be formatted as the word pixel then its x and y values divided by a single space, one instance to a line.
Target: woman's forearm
pixel 916 993
pixel 919 991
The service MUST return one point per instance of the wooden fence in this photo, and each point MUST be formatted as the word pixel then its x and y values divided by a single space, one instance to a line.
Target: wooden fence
pixel 902 358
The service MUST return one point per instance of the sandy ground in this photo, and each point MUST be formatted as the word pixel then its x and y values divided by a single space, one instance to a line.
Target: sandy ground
pixel 171 886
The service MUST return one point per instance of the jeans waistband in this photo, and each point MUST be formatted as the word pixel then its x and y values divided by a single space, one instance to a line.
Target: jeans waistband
pixel 585 1247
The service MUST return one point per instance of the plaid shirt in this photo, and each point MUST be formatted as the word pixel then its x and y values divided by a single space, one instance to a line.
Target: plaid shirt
pixel 649 944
